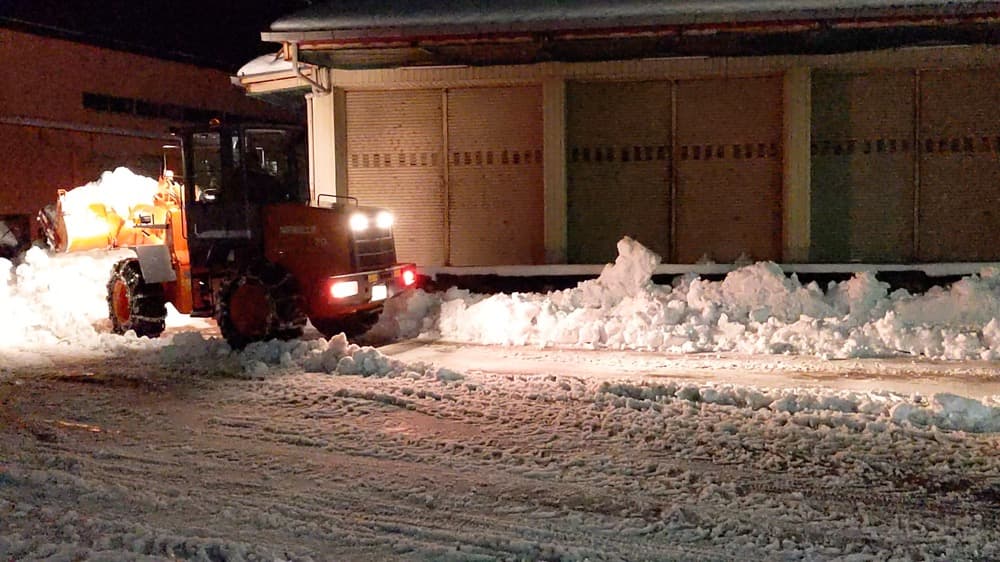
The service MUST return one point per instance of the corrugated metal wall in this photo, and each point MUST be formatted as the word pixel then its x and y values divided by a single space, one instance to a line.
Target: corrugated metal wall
pixel 729 169
pixel 395 160
pixel 618 167
pixel 863 152
pixel 959 190
pixel 48 159
pixel 495 181
pixel 905 166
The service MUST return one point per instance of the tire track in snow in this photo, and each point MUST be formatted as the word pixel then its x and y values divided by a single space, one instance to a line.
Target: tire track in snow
pixel 501 466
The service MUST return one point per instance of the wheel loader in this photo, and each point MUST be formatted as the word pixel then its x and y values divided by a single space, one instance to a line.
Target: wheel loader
pixel 238 237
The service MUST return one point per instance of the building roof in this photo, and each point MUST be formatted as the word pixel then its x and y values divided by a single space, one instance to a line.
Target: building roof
pixel 360 18
pixel 392 33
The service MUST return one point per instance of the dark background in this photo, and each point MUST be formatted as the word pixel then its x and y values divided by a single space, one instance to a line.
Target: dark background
pixel 218 34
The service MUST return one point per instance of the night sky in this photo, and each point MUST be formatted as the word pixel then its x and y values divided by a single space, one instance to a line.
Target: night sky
pixel 220 34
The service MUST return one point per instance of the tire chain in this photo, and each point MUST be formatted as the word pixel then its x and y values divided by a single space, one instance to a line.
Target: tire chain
pixel 147 310
pixel 285 318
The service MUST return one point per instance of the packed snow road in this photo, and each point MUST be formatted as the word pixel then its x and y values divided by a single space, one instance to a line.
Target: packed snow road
pixel 127 460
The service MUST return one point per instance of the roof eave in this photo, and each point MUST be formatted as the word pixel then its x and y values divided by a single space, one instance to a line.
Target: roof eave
pixel 332 38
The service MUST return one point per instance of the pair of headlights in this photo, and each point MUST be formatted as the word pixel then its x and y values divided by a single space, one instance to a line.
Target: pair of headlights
pixel 345 289
pixel 361 221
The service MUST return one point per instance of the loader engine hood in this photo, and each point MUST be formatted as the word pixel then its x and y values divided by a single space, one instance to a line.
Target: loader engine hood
pixel 317 241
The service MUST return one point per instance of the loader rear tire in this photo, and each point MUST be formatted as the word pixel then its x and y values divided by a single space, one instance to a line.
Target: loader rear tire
pixel 134 304
pixel 263 302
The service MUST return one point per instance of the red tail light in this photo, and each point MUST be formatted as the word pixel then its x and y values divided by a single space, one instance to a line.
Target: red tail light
pixel 409 277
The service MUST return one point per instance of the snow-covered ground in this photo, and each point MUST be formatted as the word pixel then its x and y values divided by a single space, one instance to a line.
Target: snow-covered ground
pixel 572 425
pixel 135 460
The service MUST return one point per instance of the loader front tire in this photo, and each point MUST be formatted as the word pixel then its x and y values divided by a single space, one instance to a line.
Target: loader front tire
pixel 134 304
pixel 261 303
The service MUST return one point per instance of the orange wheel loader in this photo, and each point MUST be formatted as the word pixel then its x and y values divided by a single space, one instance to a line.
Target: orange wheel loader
pixel 238 237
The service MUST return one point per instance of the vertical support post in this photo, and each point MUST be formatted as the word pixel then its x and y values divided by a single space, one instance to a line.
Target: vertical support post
pixel 674 151
pixel 311 146
pixel 446 176
pixel 917 156
pixel 797 165
pixel 339 135
pixel 554 169
pixel 327 113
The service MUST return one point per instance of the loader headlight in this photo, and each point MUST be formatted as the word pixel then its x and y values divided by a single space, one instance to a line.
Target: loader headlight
pixel 384 220
pixel 344 289
pixel 359 222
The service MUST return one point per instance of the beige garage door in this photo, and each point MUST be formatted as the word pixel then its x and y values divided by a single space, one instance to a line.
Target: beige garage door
pixel 618 168
pixel 959 197
pixel 495 176
pixel 394 160
pixel 728 160
pixel 863 167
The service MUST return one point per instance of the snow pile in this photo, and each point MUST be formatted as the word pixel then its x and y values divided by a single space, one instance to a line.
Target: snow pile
pixel 119 190
pixel 193 352
pixel 948 411
pixel 755 309
pixel 815 407
pixel 56 302
pixel 55 305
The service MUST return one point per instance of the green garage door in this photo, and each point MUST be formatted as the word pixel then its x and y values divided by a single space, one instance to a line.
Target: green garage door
pixel 863 167
pixel 618 168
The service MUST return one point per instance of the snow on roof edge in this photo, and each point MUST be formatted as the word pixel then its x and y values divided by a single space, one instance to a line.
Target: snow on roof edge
pixel 264 64
pixel 527 15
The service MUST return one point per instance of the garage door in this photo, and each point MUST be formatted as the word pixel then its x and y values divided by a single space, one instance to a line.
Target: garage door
pixel 495 176
pixel 728 169
pixel 959 197
pixel 618 168
pixel 863 167
pixel 394 160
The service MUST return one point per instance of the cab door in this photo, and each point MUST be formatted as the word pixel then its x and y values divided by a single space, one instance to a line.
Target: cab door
pixel 219 217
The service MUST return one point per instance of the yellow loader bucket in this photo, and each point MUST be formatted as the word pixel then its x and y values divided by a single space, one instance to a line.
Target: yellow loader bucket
pixel 91 228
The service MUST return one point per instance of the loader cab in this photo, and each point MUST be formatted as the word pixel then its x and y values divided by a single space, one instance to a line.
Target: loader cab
pixel 230 174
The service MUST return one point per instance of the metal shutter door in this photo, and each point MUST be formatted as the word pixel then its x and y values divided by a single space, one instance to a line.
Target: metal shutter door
pixel 394 160
pixel 728 158
pixel 618 168
pixel 495 183
pixel 959 193
pixel 862 167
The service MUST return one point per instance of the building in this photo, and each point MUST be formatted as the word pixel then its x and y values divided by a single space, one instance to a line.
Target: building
pixel 516 132
pixel 70 110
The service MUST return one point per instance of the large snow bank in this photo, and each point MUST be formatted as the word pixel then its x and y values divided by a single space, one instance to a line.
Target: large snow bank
pixel 59 300
pixel 755 309
pixel 55 304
